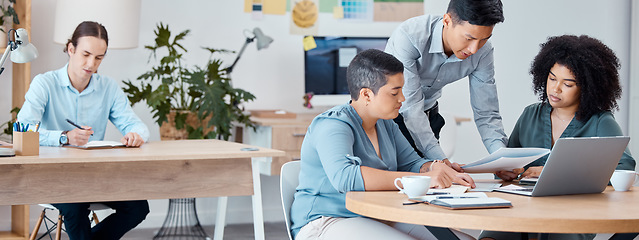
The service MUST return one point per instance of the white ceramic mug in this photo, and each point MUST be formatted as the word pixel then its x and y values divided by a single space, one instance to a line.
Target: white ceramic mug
pixel 414 186
pixel 622 180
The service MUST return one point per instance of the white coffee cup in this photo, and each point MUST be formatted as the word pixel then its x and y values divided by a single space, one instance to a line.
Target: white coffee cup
pixel 622 180
pixel 414 186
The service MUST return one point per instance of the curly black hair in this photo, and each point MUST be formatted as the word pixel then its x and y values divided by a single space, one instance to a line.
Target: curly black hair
pixel 594 65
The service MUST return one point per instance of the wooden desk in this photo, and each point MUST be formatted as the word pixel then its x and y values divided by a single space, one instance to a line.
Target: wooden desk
pixel 610 212
pixel 285 134
pixel 157 170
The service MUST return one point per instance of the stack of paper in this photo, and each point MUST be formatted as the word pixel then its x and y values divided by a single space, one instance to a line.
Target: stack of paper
pixel 506 159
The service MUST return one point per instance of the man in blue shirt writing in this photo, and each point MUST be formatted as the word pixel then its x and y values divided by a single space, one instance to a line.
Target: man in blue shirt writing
pixel 76 92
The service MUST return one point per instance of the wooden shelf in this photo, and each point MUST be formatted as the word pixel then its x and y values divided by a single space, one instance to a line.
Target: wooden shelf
pixel 10 236
pixel 20 84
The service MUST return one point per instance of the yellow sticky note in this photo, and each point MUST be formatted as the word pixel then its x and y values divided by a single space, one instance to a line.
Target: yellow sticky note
pixel 309 43
pixel 268 6
pixel 275 7
pixel 338 12
pixel 248 6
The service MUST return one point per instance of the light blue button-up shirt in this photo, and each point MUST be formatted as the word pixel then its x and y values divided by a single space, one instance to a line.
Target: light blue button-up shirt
pixel 334 149
pixel 52 99
pixel 417 43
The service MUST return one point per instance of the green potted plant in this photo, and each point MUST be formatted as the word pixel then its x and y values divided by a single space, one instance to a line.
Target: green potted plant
pixel 7 132
pixel 8 11
pixel 198 101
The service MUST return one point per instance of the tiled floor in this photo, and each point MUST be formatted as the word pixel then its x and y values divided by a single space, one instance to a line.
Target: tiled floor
pixel 273 231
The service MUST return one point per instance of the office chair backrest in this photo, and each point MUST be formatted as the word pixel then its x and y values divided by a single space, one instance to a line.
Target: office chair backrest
pixel 289 179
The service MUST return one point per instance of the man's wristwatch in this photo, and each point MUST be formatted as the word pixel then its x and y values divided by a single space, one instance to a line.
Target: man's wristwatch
pixel 64 140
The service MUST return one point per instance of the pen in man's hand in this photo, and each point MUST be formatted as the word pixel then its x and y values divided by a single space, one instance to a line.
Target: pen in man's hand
pixel 76 125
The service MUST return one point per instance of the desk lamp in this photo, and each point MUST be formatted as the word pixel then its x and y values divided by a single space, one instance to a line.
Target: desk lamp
pixel 262 42
pixel 23 50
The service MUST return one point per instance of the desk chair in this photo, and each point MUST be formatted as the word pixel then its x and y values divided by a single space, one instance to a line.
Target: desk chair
pixel 57 226
pixel 289 179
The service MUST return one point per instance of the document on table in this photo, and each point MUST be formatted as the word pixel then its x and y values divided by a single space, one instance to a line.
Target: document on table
pixel 454 189
pixel 464 201
pixel 484 187
pixel 99 144
pixel 506 159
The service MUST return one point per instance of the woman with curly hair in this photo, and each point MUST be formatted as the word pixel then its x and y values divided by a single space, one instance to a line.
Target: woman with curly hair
pixel 577 81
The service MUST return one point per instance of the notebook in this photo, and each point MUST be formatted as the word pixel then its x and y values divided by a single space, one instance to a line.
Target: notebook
pixel 576 166
pixel 99 145
pixel 463 201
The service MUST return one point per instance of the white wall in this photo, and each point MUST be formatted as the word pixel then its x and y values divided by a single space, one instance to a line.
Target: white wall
pixel 275 75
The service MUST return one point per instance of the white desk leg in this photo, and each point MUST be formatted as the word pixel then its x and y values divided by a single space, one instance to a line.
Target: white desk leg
pixel 220 218
pixel 258 214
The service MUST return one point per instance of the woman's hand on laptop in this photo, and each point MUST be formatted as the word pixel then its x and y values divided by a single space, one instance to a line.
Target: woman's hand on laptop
pixel 509 175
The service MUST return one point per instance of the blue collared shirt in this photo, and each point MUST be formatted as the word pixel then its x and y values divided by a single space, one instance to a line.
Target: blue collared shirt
pixel 418 44
pixel 334 149
pixel 52 99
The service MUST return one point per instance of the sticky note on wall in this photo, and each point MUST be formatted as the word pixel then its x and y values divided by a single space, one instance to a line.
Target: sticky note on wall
pixel 309 43
pixel 268 6
pixel 338 12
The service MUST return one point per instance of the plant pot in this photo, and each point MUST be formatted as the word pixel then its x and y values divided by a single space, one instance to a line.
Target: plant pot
pixel 169 132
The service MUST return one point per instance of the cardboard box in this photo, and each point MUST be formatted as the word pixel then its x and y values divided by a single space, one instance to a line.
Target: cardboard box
pixel 26 143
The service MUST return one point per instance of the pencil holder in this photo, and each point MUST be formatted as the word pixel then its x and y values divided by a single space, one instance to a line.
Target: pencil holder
pixel 26 143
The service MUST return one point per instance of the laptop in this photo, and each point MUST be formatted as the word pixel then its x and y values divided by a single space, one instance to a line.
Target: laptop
pixel 576 166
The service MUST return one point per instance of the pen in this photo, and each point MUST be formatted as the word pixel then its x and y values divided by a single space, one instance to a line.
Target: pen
pixel 38 126
pixel 76 125
pixel 438 193
pixel 453 197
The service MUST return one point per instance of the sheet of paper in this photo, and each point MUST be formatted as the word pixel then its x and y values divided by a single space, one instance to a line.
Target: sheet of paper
pixel 277 7
pixel 484 187
pixel 429 198
pixel 506 159
pixel 454 189
pixel 512 187
pixel 346 55
pixel 95 144
pixel 338 12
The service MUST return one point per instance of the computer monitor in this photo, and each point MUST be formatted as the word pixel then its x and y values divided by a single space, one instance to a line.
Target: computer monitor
pixel 325 66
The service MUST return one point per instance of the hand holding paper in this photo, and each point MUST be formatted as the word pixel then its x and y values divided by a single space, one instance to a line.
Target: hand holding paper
pixel 506 159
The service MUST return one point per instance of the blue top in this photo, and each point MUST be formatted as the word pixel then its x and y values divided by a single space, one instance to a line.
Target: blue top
pixel 417 43
pixel 533 129
pixel 334 148
pixel 52 99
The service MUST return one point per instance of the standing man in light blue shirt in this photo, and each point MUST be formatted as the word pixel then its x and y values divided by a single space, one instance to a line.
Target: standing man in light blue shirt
pixel 439 50
pixel 76 92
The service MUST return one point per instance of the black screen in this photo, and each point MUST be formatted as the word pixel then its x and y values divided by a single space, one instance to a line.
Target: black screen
pixel 323 73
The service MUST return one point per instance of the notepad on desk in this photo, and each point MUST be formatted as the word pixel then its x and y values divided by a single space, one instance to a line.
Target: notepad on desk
pixel 464 201
pixel 99 145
